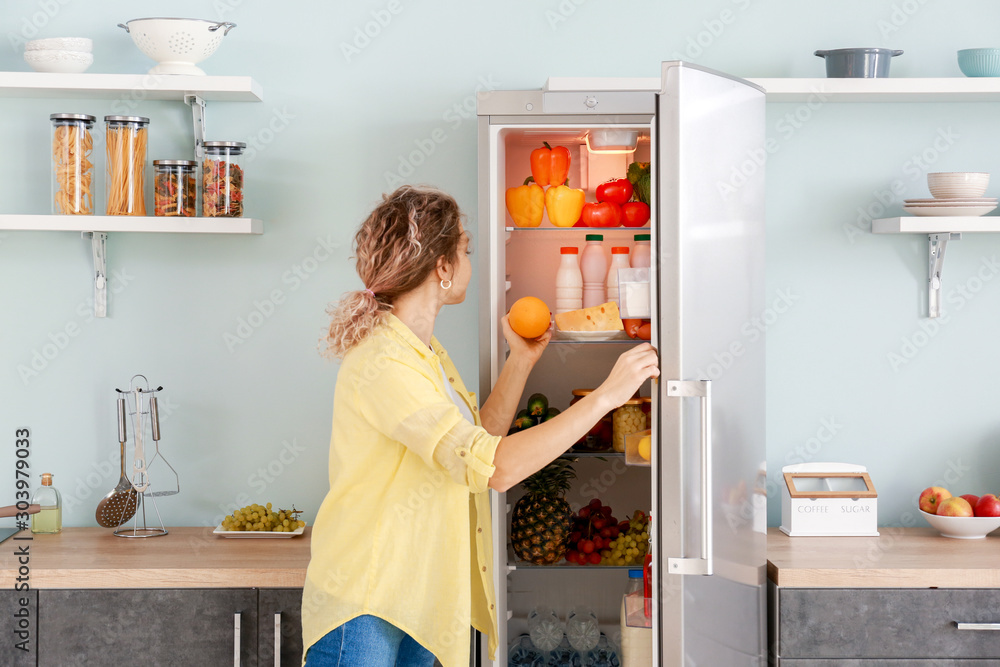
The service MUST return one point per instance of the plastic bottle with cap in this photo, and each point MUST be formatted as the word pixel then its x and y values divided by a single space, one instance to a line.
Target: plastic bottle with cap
pixel 569 281
pixel 636 649
pixel 594 267
pixel 619 260
pixel 640 252
pixel 49 518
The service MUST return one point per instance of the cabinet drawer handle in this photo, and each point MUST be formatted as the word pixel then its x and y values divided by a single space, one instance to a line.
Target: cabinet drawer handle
pixel 978 626
pixel 277 639
pixel 236 639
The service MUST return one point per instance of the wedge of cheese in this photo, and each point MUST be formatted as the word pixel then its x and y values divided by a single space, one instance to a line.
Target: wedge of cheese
pixel 604 317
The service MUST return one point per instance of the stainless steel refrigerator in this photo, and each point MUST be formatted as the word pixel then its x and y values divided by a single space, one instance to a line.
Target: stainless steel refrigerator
pixel 703 134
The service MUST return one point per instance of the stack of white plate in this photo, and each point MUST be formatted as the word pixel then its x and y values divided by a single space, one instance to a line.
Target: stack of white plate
pixel 948 207
pixel 955 194
pixel 59 54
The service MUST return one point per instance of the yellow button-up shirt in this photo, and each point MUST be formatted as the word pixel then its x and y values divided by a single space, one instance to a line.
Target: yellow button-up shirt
pixel 404 532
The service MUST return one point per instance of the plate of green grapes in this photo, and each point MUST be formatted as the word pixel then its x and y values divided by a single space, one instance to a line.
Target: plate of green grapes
pixel 262 521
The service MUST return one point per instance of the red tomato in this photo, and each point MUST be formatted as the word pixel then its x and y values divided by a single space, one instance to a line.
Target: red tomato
pixel 632 327
pixel 635 214
pixel 617 191
pixel 604 214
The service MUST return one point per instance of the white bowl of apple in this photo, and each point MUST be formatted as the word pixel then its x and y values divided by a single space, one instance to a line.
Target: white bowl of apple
pixel 967 517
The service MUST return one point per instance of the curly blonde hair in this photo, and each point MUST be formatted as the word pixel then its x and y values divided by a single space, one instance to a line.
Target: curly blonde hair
pixel 396 248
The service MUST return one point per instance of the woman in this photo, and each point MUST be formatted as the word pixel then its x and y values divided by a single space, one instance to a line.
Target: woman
pixel 401 547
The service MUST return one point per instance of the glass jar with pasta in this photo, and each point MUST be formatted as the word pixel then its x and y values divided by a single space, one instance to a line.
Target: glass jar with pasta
pixel 125 143
pixel 628 419
pixel 222 179
pixel 72 168
pixel 174 188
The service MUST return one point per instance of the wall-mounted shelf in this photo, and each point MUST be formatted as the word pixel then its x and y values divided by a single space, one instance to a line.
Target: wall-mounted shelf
pixel 911 89
pixel 146 86
pixel 945 89
pixel 126 223
pixel 939 231
pixel 128 90
pixel 96 228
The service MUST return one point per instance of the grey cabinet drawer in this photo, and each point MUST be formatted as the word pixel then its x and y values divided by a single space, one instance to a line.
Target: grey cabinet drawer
pixel 808 662
pixel 189 627
pixel 908 624
pixel 19 628
pixel 288 603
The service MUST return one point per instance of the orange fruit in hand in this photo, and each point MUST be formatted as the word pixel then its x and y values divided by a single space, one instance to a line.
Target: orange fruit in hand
pixel 529 317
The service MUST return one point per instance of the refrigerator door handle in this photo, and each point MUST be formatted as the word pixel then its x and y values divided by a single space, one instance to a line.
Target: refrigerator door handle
pixel 701 389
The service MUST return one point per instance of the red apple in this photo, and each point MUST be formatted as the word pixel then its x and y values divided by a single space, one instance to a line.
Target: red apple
pixel 955 506
pixel 931 497
pixel 988 505
pixel 971 498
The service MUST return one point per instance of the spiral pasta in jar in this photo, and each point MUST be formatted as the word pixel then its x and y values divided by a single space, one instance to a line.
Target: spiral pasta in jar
pixel 628 419
pixel 72 169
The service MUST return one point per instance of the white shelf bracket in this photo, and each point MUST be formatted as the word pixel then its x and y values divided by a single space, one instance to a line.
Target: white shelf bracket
pixel 99 249
pixel 198 118
pixel 936 245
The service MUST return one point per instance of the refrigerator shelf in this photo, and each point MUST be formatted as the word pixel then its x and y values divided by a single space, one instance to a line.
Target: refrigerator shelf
pixel 582 230
pixel 568 566
pixel 591 455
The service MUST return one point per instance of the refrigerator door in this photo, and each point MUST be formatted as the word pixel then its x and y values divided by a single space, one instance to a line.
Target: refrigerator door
pixel 710 539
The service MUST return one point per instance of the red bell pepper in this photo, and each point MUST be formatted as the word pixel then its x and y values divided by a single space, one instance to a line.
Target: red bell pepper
pixel 550 166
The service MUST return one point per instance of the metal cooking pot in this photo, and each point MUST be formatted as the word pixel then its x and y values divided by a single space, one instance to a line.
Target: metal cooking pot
pixel 858 63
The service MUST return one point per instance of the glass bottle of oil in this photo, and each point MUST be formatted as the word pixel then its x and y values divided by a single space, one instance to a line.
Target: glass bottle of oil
pixel 49 519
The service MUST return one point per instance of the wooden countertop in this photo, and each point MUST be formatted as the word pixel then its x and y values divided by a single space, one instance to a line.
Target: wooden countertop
pixel 184 558
pixel 897 558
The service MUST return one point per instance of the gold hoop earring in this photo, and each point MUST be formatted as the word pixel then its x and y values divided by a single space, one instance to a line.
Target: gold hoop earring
pixel 443 286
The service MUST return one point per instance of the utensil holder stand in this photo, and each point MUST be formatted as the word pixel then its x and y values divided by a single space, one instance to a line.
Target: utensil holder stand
pixel 145 530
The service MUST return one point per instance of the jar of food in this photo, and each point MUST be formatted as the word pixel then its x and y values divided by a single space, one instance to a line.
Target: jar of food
pixel 598 438
pixel 222 179
pixel 125 143
pixel 628 419
pixel 72 168
pixel 174 188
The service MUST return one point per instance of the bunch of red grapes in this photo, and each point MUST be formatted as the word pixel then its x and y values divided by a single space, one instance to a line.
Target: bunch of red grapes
pixel 594 528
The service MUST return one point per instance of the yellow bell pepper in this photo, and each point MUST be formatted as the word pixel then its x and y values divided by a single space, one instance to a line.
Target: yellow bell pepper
pixel 564 205
pixel 526 203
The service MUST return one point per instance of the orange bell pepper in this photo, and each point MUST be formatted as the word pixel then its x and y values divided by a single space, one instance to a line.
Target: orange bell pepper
pixel 550 166
pixel 526 204
pixel 564 205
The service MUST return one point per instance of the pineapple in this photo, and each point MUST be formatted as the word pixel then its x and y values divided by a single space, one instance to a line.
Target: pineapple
pixel 542 519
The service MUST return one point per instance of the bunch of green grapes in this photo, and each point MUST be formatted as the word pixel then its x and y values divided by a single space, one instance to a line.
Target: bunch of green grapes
pixel 630 547
pixel 263 518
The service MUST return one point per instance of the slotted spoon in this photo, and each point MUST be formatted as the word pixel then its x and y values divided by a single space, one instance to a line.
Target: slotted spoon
pixel 120 504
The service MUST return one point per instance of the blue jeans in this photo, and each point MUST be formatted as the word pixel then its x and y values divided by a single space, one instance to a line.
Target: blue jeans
pixel 368 641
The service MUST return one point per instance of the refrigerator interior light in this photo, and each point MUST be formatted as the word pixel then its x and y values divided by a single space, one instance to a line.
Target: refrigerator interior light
pixel 612 141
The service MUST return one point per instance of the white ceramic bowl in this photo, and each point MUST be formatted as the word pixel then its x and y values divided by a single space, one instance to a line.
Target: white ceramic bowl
pixel 963 527
pixel 81 44
pixel 958 184
pixel 66 62
pixel 175 43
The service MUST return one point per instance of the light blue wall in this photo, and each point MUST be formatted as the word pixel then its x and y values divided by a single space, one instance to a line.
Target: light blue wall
pixel 333 126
